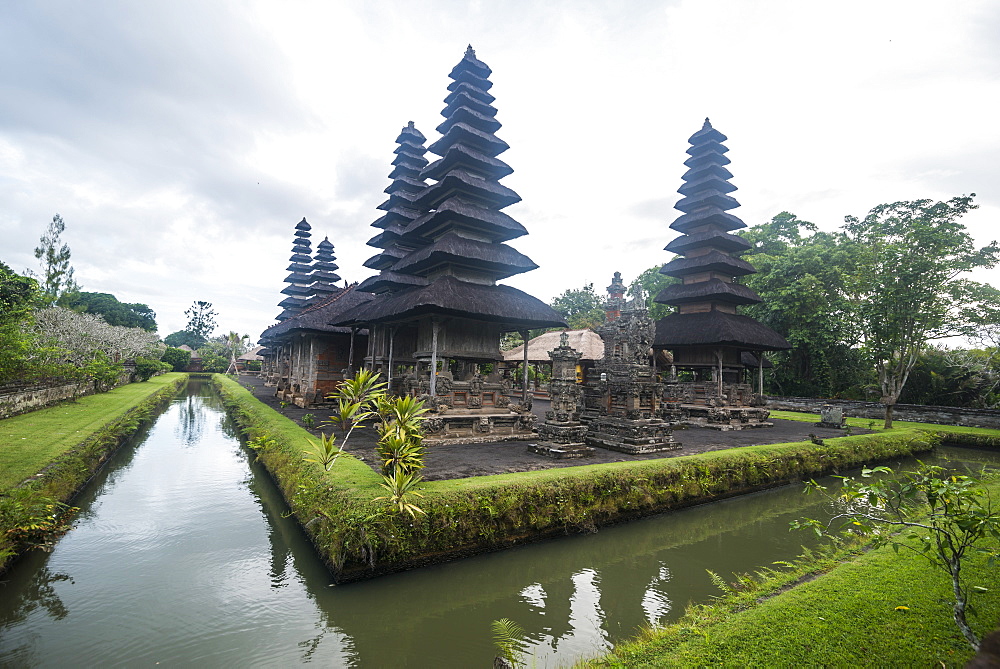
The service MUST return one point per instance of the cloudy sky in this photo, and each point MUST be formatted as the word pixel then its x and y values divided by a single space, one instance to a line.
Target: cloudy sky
pixel 181 141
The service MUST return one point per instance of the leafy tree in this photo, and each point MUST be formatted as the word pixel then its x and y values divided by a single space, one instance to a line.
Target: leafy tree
pixel 581 307
pixel 213 362
pixel 184 338
pixel 959 378
pixel 53 254
pixel 942 516
pixel 177 358
pixel 201 318
pixel 18 295
pixel 905 286
pixel 114 312
pixel 800 277
pixel 651 282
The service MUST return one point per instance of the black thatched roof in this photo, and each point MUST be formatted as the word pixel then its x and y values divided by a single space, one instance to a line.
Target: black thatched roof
pixel 389 280
pixel 706 198
pixel 712 261
pixel 449 296
pixel 470 186
pixel 497 224
pixel 713 238
pixel 453 249
pixel 704 291
pixel 318 316
pixel 716 328
pixel 750 360
pixel 709 216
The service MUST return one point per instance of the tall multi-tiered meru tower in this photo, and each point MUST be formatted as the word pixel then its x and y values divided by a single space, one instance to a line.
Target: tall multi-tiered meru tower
pixel 706 335
pixel 438 314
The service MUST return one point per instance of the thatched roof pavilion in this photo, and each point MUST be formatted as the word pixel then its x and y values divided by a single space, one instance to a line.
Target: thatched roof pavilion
pixel 586 342
pixel 299 280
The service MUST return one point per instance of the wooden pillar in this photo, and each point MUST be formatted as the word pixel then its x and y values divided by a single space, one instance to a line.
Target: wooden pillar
pixel 350 354
pixel 388 379
pixel 760 374
pixel 718 354
pixel 524 368
pixel 312 367
pixel 434 356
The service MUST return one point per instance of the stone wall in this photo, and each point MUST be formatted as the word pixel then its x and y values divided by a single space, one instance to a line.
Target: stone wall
pixel 24 400
pixel 917 413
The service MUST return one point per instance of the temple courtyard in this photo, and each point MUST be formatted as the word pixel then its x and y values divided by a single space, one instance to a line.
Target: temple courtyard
pixel 455 461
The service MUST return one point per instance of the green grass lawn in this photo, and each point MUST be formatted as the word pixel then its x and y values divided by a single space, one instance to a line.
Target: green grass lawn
pixel 847 617
pixel 31 441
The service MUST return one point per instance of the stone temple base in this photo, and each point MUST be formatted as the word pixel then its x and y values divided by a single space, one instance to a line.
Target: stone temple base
pixel 560 451
pixel 478 428
pixel 631 436
pixel 726 418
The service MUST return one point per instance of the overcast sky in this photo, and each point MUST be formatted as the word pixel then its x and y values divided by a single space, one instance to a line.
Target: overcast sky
pixel 181 141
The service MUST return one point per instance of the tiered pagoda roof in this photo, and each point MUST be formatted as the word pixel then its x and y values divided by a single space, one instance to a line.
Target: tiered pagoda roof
pixel 299 280
pixel 324 278
pixel 399 212
pixel 708 263
pixel 454 250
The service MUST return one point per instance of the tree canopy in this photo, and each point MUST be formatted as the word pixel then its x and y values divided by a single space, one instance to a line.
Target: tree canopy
pixel 134 315
pixel 581 307
pixel 906 285
pixel 201 318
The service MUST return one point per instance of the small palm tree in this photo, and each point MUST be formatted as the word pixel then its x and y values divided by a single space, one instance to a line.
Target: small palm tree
pixel 325 452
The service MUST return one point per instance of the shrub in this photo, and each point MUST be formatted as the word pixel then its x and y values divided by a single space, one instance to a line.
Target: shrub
pixel 177 358
pixel 146 368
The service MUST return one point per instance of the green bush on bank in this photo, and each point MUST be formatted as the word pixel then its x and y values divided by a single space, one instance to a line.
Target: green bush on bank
pixel 53 452
pixel 359 538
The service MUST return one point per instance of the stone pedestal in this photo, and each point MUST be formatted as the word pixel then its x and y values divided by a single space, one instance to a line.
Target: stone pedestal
pixel 633 436
pixel 562 433
pixel 831 416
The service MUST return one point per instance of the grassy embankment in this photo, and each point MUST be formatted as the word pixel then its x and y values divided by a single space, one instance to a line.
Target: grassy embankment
pixel 48 454
pixel 848 615
pixel 359 538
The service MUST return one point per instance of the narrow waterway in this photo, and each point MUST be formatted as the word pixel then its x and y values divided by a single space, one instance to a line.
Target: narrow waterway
pixel 182 556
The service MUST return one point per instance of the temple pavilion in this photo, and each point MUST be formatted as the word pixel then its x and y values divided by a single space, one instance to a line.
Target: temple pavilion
pixel 710 341
pixel 438 310
pixel 306 357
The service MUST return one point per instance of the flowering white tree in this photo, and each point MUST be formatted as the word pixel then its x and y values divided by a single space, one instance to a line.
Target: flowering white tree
pixel 87 342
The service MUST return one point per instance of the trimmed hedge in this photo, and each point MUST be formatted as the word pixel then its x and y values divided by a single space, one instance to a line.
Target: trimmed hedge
pixel 359 538
pixel 69 472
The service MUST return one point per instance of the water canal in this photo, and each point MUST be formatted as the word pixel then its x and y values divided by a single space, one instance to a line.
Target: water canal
pixel 182 556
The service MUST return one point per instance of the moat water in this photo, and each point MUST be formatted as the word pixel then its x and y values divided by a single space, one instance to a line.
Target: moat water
pixel 182 555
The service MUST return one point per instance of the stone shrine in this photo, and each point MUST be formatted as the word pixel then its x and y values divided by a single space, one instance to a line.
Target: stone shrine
pixel 562 433
pixel 622 395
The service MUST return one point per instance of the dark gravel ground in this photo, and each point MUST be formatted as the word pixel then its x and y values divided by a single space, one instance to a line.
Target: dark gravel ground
pixel 464 460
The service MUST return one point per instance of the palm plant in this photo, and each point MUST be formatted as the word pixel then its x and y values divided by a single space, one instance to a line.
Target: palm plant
pixel 400 487
pixel 401 453
pixel 325 452
pixel 507 637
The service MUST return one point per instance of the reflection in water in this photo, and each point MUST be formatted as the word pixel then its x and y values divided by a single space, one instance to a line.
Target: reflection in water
pixel 178 538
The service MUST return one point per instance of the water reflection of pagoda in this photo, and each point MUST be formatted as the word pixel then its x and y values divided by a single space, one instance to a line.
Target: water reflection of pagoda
pixel 438 307
pixel 706 335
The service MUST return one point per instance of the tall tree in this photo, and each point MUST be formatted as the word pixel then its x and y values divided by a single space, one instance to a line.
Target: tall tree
pixel 53 254
pixel 18 295
pixel 201 318
pixel 906 286
pixel 800 278
pixel 581 307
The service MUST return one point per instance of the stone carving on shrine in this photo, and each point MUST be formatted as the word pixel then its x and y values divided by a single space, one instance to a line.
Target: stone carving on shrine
pixel 622 396
pixel 710 342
